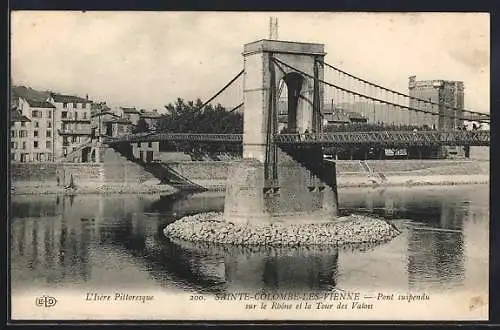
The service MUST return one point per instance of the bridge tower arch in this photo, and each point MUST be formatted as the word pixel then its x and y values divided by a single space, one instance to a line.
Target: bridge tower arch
pixel 271 183
pixel 261 83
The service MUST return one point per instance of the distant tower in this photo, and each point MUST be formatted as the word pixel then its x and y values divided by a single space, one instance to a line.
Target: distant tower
pixel 447 98
pixel 273 28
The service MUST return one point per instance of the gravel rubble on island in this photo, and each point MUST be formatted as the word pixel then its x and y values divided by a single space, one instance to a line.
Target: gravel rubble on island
pixel 211 227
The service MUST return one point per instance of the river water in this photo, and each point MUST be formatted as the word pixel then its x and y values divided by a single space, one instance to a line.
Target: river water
pixel 94 242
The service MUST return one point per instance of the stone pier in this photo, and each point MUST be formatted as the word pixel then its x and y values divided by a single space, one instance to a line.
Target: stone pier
pixel 297 197
pixel 291 193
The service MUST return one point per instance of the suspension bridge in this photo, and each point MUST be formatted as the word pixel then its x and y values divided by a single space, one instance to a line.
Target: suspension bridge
pixel 348 92
pixel 283 174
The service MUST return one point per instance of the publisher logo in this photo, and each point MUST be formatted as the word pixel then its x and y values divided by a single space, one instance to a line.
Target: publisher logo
pixel 45 301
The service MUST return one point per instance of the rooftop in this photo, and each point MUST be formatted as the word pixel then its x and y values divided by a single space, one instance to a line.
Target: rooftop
pixel 129 110
pixel 280 46
pixel 15 116
pixel 413 82
pixel 118 121
pixel 150 114
pixel 60 98
pixel 39 104
pixel 336 117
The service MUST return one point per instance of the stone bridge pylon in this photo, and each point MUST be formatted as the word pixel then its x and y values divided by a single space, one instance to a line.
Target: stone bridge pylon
pixel 288 184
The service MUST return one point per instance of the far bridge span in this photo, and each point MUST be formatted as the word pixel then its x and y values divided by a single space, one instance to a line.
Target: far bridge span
pixel 387 139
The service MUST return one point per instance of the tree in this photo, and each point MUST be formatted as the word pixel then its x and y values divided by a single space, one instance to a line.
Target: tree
pixel 187 117
pixel 141 126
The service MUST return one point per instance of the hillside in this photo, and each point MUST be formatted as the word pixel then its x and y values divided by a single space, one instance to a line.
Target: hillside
pixel 28 93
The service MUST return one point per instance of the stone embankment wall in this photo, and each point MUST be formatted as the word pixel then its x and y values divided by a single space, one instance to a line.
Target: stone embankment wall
pixel 117 168
pixel 202 170
pixel 114 170
pixel 54 174
pixel 218 170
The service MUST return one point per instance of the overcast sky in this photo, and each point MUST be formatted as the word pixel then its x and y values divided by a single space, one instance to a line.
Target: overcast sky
pixel 147 59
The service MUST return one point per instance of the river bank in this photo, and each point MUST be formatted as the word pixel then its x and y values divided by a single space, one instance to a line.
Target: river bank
pixel 360 181
pixel 41 189
pixel 397 173
pixel 349 174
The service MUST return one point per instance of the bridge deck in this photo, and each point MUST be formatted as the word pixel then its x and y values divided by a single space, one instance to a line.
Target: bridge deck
pixel 386 139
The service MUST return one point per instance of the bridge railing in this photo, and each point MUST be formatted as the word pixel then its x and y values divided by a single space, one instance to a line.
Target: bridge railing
pixel 201 137
pixel 390 138
pixel 379 138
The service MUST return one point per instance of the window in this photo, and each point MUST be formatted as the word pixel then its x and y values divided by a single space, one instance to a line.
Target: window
pixel 23 124
pixel 49 114
pixel 84 105
pixel 64 114
pixel 84 115
pixel 35 114
pixel 74 148
pixel 35 133
pixel 138 145
pixel 65 105
pixel 74 105
pixel 49 157
pixel 24 144
pixel 65 151
pixel 35 144
pixel 12 156
pixel 49 133
pixel 73 139
pixel 12 133
pixel 37 124
pixel 76 115
pixel 150 144
pixel 23 134
pixel 13 145
pixel 49 124
pixel 48 145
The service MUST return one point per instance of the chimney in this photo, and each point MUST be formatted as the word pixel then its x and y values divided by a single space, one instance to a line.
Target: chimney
pixel 155 110
pixel 87 97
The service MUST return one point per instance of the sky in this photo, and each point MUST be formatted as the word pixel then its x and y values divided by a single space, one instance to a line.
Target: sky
pixel 148 59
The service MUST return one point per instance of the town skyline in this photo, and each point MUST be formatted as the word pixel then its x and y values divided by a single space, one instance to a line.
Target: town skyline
pixel 112 56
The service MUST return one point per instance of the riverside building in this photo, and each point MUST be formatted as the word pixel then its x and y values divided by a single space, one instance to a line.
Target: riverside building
pixel 51 130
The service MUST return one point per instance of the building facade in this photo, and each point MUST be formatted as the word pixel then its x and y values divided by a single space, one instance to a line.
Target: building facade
pixel 146 151
pixel 56 129
pixel 109 122
pixel 20 143
pixel 152 118
pixel 73 123
pixel 448 103
pixel 41 136
pixel 132 114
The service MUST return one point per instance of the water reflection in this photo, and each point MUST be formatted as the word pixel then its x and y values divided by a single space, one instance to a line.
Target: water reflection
pixel 118 240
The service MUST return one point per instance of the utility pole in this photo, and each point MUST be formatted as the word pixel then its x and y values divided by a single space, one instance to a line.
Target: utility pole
pixel 273 28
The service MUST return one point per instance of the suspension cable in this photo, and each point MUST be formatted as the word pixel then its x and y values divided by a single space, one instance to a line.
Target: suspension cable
pixel 236 107
pixel 372 98
pixel 223 89
pixel 401 94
